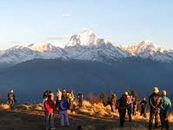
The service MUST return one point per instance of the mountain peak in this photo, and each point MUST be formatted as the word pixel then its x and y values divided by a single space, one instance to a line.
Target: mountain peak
pixel 147 43
pixel 42 47
pixel 141 47
pixel 86 38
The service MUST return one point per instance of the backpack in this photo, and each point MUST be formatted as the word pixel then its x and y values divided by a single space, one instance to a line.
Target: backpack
pixel 63 105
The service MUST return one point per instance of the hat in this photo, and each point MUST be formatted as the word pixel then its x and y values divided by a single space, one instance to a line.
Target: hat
pixel 164 93
pixel 126 93
pixel 12 91
pixel 156 90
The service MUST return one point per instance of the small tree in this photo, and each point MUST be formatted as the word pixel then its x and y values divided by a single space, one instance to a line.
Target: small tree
pixel 103 98
pixel 134 94
pixel 92 98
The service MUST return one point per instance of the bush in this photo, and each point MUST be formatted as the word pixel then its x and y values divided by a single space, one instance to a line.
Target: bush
pixel 92 98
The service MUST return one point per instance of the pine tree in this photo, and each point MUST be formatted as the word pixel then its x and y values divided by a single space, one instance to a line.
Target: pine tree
pixel 133 93
pixel 103 98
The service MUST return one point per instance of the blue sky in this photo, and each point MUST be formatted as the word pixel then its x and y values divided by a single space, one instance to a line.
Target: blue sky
pixel 121 21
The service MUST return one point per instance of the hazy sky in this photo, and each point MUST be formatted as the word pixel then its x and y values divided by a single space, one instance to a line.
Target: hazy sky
pixel 121 21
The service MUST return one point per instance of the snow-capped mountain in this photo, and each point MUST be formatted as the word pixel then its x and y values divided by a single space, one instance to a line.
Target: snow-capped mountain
pixel 86 46
pixel 18 54
pixel 86 38
pixel 148 49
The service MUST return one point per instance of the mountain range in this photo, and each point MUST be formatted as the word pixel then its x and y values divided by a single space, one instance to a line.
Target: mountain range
pixel 87 63
pixel 85 46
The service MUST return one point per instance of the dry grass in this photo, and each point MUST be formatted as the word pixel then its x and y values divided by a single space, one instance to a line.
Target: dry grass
pixel 90 116
pixel 4 106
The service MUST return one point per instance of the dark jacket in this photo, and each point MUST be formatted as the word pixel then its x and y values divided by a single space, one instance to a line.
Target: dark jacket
pixel 143 104
pixel 155 101
pixel 11 96
pixel 122 102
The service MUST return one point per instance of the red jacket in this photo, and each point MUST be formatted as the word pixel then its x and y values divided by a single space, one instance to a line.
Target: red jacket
pixel 49 106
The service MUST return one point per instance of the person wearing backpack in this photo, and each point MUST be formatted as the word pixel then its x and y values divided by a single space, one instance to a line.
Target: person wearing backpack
pixel 121 105
pixel 49 106
pixel 63 107
pixel 164 111
pixel 155 104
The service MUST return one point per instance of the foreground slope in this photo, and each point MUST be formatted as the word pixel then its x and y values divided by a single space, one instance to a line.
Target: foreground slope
pixel 90 117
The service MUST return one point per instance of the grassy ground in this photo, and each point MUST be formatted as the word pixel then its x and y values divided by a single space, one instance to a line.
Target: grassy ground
pixel 31 117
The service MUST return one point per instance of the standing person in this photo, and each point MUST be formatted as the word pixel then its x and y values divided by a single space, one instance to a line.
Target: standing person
pixel 80 99
pixel 59 97
pixel 71 99
pixel 164 110
pixel 49 109
pixel 155 103
pixel 121 105
pixel 63 112
pixel 45 97
pixel 45 94
pixel 129 105
pixel 11 99
pixel 114 102
pixel 64 93
pixel 134 105
pixel 143 104
pixel 0 97
pixel 52 95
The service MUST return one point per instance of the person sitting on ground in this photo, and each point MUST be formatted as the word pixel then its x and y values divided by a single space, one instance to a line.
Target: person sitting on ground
pixel 143 104
pixel 11 99
pixel 49 106
pixel 164 111
pixel 63 107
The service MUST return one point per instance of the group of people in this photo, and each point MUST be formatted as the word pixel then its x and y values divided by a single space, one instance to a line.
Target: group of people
pixel 64 101
pixel 159 104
